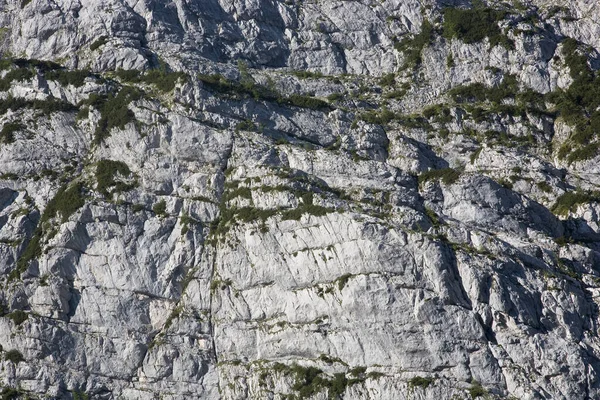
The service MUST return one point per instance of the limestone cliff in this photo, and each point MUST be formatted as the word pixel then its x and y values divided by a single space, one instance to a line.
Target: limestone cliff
pixel 232 199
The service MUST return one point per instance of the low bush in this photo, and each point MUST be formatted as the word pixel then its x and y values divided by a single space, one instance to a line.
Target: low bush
pixel 18 316
pixel 446 175
pixel 114 111
pixel 14 356
pixel 475 24
pixel 7 133
pixel 101 41
pixel 66 77
pixel 419 381
pixel 160 208
pixel 68 199
pixel 569 201
pixel 413 47
pixel 106 173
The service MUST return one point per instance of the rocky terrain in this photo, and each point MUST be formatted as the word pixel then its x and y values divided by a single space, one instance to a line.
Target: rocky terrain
pixel 321 199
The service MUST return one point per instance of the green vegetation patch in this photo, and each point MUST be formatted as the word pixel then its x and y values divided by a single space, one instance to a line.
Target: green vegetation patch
pixel 18 316
pixel 68 199
pixel 7 133
pixel 307 74
pixel 309 381
pixel 248 88
pixel 14 355
pixel 160 208
pixel 476 390
pixel 419 381
pixel 478 92
pixel 107 172
pixel 164 80
pixel 413 47
pixel 475 24
pixel 569 201
pixel 579 105
pixel 47 107
pixel 66 77
pixel 114 111
pixel 446 175
pixel 311 209
pixel 101 41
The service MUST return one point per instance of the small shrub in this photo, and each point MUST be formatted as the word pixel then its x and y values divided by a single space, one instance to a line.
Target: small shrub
pixel 246 125
pixel 24 3
pixel 473 25
pixel 304 101
pixel 114 111
pixel 342 280
pixel 65 77
pixel 101 41
pixel 446 175
pixel 7 133
pixel 106 172
pixel 419 381
pixel 569 201
pixel 163 80
pixel 14 356
pixel 476 390
pixel 160 208
pixel 18 316
pixel 335 97
pixel 412 48
pixel 307 74
pixel 358 371
pixel 544 187
pixel 9 393
pixel 388 80
pixel 66 202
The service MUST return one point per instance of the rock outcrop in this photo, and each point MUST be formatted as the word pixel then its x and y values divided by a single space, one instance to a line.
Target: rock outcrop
pixel 299 199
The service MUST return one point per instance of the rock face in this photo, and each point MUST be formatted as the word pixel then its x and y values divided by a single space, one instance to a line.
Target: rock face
pixel 299 199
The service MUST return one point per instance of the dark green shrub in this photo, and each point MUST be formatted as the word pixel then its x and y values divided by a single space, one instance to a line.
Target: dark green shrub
pixel 7 133
pixel 246 125
pixel 41 65
pixel 358 371
pixel 381 117
pixel 45 106
pixel 65 77
pixel 446 175
pixel 163 80
pixel 128 75
pixel 304 101
pixel 101 41
pixel 14 355
pixel 18 316
pixel 9 393
pixel 160 208
pixel 335 97
pixel 413 47
pixel 544 187
pixel 388 80
pixel 419 381
pixel 114 111
pixel 569 201
pixel 473 25
pixel 476 390
pixel 68 199
pixel 307 74
pixel 5 64
pixel 342 280
pixel 24 3
pixel 106 172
